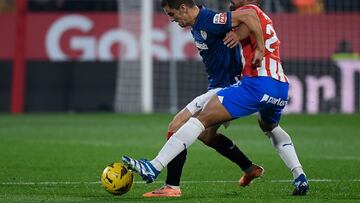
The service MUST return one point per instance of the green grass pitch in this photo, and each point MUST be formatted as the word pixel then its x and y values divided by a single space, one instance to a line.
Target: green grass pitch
pixel 59 158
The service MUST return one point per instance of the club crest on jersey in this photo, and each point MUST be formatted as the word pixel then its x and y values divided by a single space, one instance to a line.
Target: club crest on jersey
pixel 203 34
pixel 220 18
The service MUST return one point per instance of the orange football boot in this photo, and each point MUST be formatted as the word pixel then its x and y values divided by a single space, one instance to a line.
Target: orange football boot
pixel 164 191
pixel 257 171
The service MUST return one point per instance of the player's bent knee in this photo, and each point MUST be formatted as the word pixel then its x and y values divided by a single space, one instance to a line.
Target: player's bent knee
pixel 208 137
pixel 279 137
pixel 267 127
pixel 208 141
pixel 203 139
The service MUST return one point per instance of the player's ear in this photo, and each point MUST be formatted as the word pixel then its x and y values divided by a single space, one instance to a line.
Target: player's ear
pixel 183 8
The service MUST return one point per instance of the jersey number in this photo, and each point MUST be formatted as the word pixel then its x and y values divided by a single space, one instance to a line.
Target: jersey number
pixel 270 30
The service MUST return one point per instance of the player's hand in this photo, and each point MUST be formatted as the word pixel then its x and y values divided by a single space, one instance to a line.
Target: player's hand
pixel 231 39
pixel 258 57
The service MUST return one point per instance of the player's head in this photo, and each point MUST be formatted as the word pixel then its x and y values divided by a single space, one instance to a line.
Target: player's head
pixel 180 11
pixel 234 4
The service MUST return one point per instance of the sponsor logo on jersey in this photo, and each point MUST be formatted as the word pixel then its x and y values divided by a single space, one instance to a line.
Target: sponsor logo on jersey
pixel 220 18
pixel 271 100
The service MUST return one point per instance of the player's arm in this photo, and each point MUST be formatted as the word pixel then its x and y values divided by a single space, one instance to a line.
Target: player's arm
pixel 231 39
pixel 234 37
pixel 251 20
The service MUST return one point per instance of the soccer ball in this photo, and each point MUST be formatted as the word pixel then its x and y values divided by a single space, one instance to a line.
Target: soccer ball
pixel 117 179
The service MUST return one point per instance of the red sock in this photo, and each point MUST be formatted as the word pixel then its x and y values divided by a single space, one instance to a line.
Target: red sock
pixel 169 134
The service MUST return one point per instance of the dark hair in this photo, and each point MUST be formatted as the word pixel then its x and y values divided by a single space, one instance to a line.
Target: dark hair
pixel 175 4
pixel 256 2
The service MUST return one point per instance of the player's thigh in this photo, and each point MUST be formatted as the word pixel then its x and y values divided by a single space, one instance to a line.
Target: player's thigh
pixel 213 113
pixel 191 109
pixel 197 104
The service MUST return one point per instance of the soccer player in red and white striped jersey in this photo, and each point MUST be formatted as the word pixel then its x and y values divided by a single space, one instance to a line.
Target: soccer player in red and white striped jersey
pixel 271 65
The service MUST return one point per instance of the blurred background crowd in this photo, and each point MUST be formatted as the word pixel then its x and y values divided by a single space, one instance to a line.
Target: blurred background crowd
pixel 270 6
pixel 85 55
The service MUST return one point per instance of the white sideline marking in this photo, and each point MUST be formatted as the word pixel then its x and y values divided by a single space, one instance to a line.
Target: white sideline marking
pixel 186 182
pixel 349 158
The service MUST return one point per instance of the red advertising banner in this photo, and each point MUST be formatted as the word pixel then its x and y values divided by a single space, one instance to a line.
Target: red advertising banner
pixel 99 37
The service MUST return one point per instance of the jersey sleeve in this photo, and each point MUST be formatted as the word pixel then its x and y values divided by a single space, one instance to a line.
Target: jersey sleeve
pixel 217 23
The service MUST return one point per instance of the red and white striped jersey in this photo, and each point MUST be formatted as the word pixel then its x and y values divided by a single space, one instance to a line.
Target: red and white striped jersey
pixel 271 64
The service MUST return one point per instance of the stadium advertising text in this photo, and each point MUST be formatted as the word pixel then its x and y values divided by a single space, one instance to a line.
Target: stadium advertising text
pixel 98 37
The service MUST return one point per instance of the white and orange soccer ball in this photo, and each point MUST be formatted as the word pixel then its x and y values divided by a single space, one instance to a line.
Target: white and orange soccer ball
pixel 117 179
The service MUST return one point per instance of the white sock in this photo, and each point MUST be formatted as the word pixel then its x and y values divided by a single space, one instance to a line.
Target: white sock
pixel 173 186
pixel 158 166
pixel 286 150
pixel 297 172
pixel 181 140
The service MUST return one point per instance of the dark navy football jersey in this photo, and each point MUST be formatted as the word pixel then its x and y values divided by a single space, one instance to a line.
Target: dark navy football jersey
pixel 222 63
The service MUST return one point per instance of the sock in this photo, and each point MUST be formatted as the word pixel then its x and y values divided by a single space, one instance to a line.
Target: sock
pixel 181 140
pixel 174 169
pixel 228 149
pixel 168 135
pixel 173 186
pixel 297 172
pixel 285 148
pixel 157 164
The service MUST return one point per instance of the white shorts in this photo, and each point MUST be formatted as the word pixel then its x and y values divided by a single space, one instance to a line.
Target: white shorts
pixel 199 102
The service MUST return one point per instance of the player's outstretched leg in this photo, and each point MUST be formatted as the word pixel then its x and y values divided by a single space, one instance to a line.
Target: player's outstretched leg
pixel 143 167
pixel 286 150
pixel 284 146
pixel 171 188
pixel 231 151
pixel 213 113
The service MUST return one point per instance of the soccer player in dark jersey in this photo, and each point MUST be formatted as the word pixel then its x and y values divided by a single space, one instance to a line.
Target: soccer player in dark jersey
pixel 223 66
pixel 263 89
